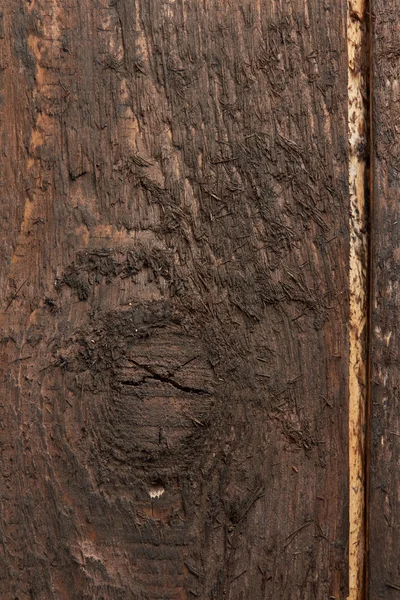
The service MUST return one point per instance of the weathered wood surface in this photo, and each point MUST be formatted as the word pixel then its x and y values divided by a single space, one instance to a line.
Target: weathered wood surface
pixel 174 290
pixel 384 501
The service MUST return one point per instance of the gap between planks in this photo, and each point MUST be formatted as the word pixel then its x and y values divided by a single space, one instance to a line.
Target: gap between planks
pixel 358 126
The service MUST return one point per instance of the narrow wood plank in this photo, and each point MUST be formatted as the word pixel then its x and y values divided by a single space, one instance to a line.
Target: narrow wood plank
pixel 358 119
pixel 175 300
pixel 384 502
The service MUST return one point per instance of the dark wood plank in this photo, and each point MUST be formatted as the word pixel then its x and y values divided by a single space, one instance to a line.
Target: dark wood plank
pixel 174 392
pixel 384 503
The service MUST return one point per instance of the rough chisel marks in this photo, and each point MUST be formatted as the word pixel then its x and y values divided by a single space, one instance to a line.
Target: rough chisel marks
pixel 384 504
pixel 175 321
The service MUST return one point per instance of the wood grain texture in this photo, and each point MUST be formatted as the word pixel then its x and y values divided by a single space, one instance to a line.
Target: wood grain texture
pixel 358 119
pixel 174 287
pixel 384 501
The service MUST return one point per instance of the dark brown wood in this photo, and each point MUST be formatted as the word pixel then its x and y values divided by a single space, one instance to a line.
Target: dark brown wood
pixel 384 501
pixel 174 285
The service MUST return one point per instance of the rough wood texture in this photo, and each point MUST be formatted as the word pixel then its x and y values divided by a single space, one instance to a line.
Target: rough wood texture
pixel 358 119
pixel 174 288
pixel 384 501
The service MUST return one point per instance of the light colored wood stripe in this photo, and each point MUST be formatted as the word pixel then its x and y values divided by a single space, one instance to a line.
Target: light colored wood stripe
pixel 357 124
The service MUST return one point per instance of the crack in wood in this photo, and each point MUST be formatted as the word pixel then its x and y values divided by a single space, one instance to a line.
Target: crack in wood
pixel 163 378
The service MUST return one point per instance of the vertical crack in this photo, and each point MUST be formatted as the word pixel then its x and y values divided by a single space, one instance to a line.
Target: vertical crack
pixel 358 131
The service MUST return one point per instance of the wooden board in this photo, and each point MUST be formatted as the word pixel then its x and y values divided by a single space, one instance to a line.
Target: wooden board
pixel 174 287
pixel 384 501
